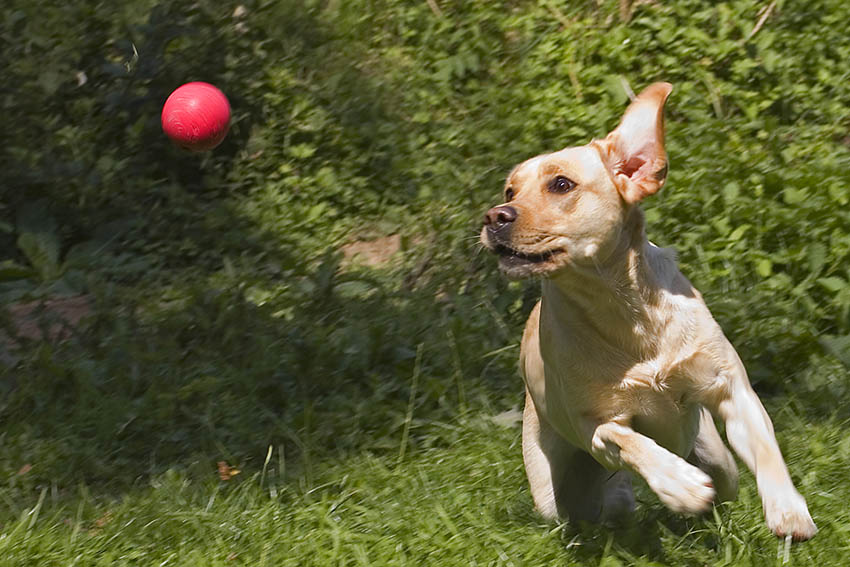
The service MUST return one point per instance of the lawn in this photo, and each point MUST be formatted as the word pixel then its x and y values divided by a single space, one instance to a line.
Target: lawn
pixel 293 351
pixel 459 499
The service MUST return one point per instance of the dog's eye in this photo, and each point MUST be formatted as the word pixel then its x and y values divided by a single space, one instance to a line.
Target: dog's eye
pixel 561 184
pixel 509 195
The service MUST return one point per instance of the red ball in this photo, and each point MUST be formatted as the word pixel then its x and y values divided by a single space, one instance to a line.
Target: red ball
pixel 196 116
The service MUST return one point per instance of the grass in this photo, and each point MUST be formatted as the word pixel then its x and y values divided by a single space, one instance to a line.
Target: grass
pixel 419 467
pixel 462 501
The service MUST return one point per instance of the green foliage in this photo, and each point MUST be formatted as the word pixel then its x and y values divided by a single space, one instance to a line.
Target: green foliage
pixel 45 273
pixel 228 319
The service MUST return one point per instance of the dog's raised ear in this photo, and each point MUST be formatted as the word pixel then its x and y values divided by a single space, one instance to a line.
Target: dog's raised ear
pixel 634 151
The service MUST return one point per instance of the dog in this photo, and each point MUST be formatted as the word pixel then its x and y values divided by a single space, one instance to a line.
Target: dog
pixel 625 368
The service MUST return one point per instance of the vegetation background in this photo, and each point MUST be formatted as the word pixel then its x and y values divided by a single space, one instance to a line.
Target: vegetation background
pixel 292 351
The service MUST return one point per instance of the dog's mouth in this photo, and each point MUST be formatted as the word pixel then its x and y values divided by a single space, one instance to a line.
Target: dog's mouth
pixel 513 258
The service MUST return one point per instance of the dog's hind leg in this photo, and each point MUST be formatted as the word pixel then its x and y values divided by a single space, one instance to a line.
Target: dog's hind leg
pixel 618 499
pixel 566 482
pixel 712 456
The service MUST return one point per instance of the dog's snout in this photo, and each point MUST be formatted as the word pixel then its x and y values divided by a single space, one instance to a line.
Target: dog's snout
pixel 498 217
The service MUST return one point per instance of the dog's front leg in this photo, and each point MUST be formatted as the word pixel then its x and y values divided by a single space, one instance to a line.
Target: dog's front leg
pixel 750 433
pixel 681 486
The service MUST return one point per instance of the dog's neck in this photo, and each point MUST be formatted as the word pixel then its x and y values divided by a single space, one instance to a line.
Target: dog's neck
pixel 617 297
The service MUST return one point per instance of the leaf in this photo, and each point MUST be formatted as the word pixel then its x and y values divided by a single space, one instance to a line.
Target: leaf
pixel 615 86
pixel 832 283
pixel 301 151
pixel 794 196
pixel 816 255
pixel 50 80
pixel 354 289
pixel 739 232
pixel 652 216
pixel 764 267
pixel 72 282
pixel 315 212
pixel 839 193
pixel 722 225
pixel 225 471
pixel 42 251
pixel 10 271
pixel 35 217
pixel 83 254
pixel 731 191
pixel 837 346
pixel 104 520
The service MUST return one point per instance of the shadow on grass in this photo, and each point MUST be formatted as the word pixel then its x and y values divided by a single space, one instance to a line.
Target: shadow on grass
pixel 202 374
pixel 219 359
pixel 198 366
pixel 639 535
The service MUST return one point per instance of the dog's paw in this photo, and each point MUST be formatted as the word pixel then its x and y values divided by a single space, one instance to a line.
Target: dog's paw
pixel 682 487
pixel 788 515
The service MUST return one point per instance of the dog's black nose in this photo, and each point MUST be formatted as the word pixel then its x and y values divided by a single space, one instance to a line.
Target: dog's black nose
pixel 498 217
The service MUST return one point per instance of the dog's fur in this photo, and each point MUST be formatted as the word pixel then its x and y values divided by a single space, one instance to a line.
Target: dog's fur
pixel 624 366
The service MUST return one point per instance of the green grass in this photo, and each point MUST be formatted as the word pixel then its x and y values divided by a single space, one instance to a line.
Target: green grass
pixel 463 501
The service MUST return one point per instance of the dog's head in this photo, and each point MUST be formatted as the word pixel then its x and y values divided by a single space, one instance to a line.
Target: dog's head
pixel 569 207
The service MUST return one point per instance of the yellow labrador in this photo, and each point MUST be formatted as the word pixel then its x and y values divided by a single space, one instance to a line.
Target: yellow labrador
pixel 624 366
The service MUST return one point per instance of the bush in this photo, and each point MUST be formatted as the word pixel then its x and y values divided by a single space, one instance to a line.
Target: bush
pixel 224 294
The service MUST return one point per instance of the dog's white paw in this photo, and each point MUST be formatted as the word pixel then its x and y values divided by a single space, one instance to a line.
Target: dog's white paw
pixel 788 515
pixel 682 487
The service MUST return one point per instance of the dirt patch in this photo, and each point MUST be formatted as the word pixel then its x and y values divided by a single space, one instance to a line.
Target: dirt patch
pixel 50 319
pixel 373 253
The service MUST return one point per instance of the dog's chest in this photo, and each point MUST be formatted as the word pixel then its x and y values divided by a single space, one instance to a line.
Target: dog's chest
pixel 616 385
pixel 590 383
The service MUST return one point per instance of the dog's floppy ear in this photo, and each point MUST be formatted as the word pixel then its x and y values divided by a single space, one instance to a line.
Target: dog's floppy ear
pixel 634 151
